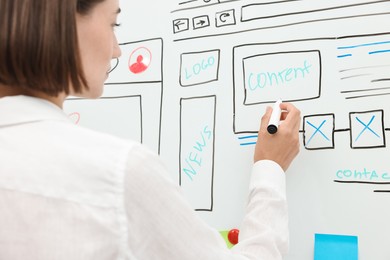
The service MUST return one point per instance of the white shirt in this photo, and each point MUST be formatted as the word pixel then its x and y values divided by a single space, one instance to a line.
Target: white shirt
pixel 70 193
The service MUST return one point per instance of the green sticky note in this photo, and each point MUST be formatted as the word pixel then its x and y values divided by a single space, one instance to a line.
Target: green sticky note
pixel 335 247
pixel 224 234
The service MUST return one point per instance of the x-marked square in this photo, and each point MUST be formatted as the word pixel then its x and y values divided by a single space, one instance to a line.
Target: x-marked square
pixel 318 131
pixel 367 129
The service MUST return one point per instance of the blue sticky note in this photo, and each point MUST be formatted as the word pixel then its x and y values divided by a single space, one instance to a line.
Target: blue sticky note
pixel 335 247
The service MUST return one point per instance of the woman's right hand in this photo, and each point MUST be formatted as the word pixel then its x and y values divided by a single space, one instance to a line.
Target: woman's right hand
pixel 283 146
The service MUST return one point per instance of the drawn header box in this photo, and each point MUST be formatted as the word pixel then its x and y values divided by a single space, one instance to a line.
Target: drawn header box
pixel 287 75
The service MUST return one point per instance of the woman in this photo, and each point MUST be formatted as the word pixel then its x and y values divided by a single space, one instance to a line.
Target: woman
pixel 67 192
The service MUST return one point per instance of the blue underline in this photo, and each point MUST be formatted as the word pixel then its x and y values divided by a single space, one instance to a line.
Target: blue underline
pixel 345 55
pixel 376 52
pixel 362 45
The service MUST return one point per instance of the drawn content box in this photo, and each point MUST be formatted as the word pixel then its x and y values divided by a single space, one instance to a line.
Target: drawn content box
pixel 287 75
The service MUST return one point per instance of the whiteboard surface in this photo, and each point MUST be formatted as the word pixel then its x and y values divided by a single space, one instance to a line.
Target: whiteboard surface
pixel 195 77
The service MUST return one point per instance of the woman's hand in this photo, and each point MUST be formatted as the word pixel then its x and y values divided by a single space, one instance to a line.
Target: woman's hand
pixel 283 146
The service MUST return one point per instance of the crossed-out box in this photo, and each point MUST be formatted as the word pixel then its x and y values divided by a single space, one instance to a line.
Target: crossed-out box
pixel 367 129
pixel 318 131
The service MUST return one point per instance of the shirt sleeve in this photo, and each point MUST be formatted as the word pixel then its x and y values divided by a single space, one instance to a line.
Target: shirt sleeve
pixel 264 231
pixel 162 225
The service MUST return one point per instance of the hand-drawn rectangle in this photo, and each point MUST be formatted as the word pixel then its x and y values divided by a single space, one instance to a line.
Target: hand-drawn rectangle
pixel 199 67
pixel 286 75
pixel 318 131
pixel 140 62
pixel 197 130
pixel 119 116
pixel 305 11
pixel 367 129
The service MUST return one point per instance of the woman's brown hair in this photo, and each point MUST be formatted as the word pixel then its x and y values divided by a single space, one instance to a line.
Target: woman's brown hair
pixel 39 47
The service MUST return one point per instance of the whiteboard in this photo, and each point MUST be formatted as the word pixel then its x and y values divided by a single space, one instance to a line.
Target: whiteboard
pixel 195 77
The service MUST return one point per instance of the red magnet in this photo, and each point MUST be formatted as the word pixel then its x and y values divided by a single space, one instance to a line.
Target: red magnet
pixel 233 236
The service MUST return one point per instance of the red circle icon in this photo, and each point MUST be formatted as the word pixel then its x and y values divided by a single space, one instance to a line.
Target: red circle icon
pixel 233 236
pixel 140 60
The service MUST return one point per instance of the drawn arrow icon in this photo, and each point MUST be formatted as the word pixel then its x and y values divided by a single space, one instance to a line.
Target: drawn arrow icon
pixel 177 24
pixel 223 15
pixel 201 22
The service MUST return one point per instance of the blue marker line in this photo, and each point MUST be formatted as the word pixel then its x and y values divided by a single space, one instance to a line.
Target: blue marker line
pixel 345 55
pixel 247 137
pixel 317 130
pixel 362 45
pixel 245 144
pixel 376 52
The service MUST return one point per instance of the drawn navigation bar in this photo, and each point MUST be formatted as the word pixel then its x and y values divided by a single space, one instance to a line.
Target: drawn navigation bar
pixel 272 14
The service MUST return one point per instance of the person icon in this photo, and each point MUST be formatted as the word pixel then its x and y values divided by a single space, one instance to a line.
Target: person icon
pixel 138 66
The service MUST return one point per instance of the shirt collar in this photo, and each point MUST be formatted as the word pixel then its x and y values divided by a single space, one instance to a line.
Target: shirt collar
pixel 26 109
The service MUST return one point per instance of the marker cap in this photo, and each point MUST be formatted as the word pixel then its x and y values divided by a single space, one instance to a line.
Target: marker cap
pixel 274 120
pixel 272 129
